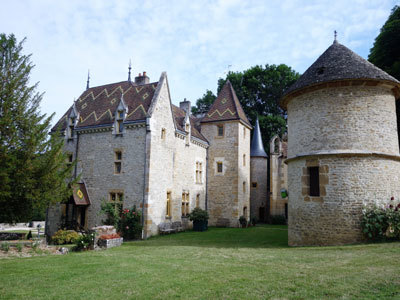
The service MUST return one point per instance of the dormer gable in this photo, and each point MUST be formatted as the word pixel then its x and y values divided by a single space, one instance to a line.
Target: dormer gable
pixel 72 121
pixel 119 116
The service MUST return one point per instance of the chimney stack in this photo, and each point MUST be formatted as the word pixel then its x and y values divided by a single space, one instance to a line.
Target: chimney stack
pixel 185 105
pixel 142 79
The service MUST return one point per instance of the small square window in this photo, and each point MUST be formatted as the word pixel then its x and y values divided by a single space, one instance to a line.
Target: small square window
pixel 254 184
pixel 117 167
pixel 219 167
pixel 220 130
pixel 118 155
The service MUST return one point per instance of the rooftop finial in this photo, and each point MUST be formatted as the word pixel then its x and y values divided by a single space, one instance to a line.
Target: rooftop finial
pixel 129 72
pixel 335 34
pixel 88 78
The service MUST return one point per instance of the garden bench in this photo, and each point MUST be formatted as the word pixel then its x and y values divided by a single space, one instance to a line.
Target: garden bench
pixel 166 228
pixel 177 226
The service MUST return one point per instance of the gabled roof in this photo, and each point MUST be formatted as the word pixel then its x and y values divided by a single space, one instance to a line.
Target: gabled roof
pixel 97 105
pixel 226 107
pixel 179 115
pixel 257 147
pixel 338 63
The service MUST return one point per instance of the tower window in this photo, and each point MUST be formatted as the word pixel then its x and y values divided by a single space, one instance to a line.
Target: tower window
pixel 313 173
pixel 163 133
pixel 199 172
pixel 244 186
pixel 198 200
pixel 220 130
pixel 185 204
pixel 118 162
pixel 219 167
pixel 244 160
pixel 168 208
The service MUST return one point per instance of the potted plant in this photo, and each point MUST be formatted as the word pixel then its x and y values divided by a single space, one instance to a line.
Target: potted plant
pixel 243 221
pixel 199 218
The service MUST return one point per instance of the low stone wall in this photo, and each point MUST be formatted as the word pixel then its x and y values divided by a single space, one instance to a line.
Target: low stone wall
pixel 110 243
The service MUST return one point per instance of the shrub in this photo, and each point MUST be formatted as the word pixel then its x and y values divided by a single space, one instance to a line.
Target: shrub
pixel 130 225
pixel 5 247
pixel 254 221
pixel 278 220
pixel 198 215
pixel 85 242
pixel 63 237
pixel 19 247
pixel 381 223
pixel 243 221
pixel 111 214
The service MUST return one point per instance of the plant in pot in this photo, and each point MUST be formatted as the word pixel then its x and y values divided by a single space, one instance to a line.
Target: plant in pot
pixel 199 218
pixel 243 221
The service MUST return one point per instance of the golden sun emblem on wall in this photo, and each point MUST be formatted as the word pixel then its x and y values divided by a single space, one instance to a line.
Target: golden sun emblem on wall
pixel 80 194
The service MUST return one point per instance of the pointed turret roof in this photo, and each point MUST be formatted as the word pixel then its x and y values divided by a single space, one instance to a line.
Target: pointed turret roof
pixel 257 147
pixel 226 107
pixel 338 63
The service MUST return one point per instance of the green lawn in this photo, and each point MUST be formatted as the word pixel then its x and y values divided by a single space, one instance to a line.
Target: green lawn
pixel 252 263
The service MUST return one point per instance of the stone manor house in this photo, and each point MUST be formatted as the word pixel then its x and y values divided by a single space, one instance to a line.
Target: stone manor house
pixel 134 147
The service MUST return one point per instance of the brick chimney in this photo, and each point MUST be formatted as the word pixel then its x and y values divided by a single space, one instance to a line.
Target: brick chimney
pixel 142 79
pixel 185 105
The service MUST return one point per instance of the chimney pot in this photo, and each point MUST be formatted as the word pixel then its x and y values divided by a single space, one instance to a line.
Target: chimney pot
pixel 142 79
pixel 185 105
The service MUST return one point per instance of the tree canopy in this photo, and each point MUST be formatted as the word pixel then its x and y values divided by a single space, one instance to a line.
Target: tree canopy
pixel 385 52
pixel 259 90
pixel 33 169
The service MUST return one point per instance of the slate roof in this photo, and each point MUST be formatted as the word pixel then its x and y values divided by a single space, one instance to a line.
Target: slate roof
pixel 226 107
pixel 96 106
pixel 179 115
pixel 257 147
pixel 338 63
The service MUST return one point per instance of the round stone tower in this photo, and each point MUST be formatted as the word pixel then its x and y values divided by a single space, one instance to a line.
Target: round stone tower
pixel 258 176
pixel 343 149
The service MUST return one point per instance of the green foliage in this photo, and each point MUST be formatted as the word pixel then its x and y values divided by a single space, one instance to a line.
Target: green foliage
pixel 5 247
pixel 203 104
pixel 254 221
pixel 198 214
pixel 381 223
pixel 278 220
pixel 19 247
pixel 33 172
pixel 130 224
pixel 85 242
pixel 63 237
pixel 29 235
pixel 243 221
pixel 112 216
pixel 386 50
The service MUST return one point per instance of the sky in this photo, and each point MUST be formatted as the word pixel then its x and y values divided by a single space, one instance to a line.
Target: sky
pixel 196 42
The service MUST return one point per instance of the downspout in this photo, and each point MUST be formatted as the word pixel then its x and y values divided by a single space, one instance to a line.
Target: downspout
pixel 207 178
pixel 144 172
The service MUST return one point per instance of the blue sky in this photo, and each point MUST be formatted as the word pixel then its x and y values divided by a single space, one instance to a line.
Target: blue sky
pixel 195 42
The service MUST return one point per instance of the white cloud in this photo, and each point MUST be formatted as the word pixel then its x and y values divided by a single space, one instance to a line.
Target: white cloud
pixel 194 41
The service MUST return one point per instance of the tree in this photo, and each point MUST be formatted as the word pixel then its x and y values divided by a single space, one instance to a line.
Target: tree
pixel 203 104
pixel 33 169
pixel 385 53
pixel 259 90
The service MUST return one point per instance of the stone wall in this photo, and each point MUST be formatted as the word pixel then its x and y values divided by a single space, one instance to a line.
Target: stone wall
pixel 228 191
pixel 258 193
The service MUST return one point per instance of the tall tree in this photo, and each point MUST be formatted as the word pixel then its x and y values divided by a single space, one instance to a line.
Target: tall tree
pixel 259 90
pixel 386 50
pixel 33 169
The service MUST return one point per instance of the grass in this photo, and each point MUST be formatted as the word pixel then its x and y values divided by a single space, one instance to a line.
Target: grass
pixel 252 263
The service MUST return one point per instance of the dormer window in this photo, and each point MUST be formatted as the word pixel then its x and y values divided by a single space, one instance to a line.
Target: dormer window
pixel 71 126
pixel 187 127
pixel 120 122
pixel 120 115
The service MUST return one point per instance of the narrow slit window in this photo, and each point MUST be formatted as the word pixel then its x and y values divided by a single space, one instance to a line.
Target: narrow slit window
pixel 118 162
pixel 185 204
pixel 244 186
pixel 198 200
pixel 219 167
pixel 163 133
pixel 220 130
pixel 244 160
pixel 314 181
pixel 168 208
pixel 69 159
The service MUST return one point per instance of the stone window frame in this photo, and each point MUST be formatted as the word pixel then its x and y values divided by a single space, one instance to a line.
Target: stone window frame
pixel 185 210
pixel 254 184
pixel 244 160
pixel 244 186
pixel 71 128
pixel 119 122
pixel 117 161
pixel 198 200
pixel 70 158
pixel 116 197
pixel 199 172
pixel 163 133
pixel 323 178
pixel 168 212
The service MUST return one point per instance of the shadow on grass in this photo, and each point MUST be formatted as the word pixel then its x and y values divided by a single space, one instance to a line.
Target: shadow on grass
pixel 261 236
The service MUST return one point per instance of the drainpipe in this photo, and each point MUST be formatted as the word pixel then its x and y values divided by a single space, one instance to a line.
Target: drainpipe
pixel 207 179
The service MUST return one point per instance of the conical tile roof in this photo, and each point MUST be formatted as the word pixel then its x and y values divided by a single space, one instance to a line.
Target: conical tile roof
pixel 339 63
pixel 226 107
pixel 257 147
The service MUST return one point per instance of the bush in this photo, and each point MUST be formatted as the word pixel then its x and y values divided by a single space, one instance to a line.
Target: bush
pixel 254 221
pixel 63 237
pixel 19 247
pixel 198 215
pixel 5 246
pixel 130 225
pixel 85 242
pixel 278 220
pixel 243 221
pixel 381 223
pixel 111 214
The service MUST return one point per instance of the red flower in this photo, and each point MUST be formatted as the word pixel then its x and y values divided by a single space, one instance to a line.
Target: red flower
pixel 390 206
pixel 392 198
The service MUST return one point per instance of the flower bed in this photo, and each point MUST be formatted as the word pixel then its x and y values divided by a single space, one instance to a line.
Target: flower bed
pixel 110 240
